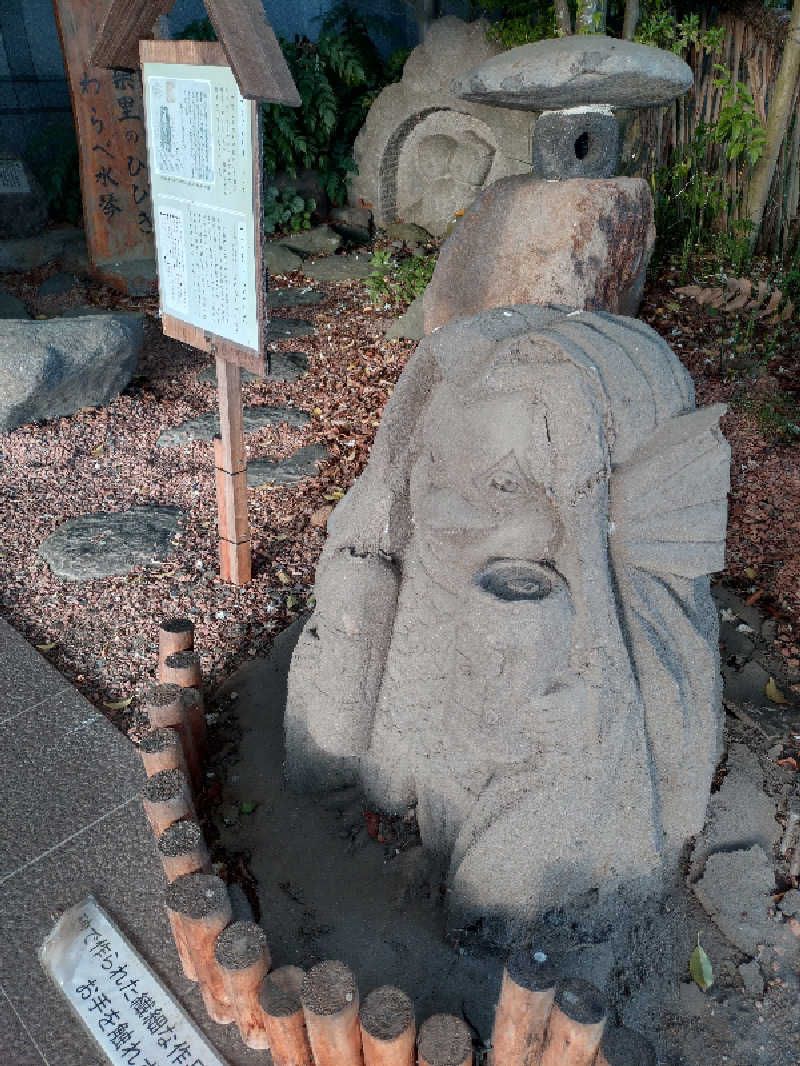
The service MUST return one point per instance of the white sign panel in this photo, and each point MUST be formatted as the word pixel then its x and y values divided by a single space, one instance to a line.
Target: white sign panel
pixel 127 1010
pixel 199 136
pixel 12 177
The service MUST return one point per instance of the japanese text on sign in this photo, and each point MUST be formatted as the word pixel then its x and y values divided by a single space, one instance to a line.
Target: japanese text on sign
pixel 199 131
pixel 128 1012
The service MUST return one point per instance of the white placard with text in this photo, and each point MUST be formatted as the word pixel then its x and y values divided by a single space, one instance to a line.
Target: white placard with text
pixel 199 140
pixel 129 1013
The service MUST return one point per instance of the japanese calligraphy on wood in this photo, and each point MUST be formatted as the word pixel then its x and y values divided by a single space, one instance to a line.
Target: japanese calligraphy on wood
pixel 126 1009
pixel 109 121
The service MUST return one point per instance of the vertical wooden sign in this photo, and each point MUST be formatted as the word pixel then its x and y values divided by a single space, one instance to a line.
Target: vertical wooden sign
pixel 109 123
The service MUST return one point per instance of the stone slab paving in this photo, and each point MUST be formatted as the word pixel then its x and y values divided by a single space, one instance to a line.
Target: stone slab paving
pixel 304 463
pixel 278 258
pixel 278 329
pixel 286 366
pixel 206 427
pixel 12 306
pixel 72 824
pixel 107 543
pixel 339 268
pixel 300 297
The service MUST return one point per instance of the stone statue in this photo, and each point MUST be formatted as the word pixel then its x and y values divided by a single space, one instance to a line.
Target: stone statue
pixel 514 629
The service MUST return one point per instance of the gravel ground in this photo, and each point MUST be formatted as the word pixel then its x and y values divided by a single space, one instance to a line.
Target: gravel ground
pixel 103 634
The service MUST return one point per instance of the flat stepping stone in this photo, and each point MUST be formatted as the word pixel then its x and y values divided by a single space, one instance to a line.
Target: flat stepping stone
pixel 25 253
pixel 280 328
pixel 286 366
pixel 321 240
pixel 575 71
pixel 106 544
pixel 408 326
pixel 206 426
pixel 59 284
pixel 12 306
pixel 279 259
pixel 302 297
pixel 339 268
pixel 289 471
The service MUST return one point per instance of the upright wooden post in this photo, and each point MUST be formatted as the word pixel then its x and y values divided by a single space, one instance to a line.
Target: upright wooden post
pixel 231 470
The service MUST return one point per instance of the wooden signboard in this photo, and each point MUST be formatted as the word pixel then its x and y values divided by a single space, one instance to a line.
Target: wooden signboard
pixel 204 143
pixel 109 122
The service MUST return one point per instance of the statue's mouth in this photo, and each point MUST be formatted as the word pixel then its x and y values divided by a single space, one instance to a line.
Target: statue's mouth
pixel 518 579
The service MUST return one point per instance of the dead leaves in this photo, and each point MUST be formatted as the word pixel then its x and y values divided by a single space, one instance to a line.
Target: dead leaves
pixel 740 294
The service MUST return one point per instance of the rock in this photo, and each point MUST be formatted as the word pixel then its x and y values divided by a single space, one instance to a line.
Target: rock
pixel 55 367
pixel 576 144
pixel 135 277
pixel 285 366
pixel 409 233
pixel 790 904
pixel 296 297
pixel 750 973
pixel 349 267
pixel 58 284
pixel 354 224
pixel 206 427
pixel 11 306
pixel 740 814
pixel 422 149
pixel 583 243
pixel 443 651
pixel 747 685
pixel 278 258
pixel 319 240
pixel 735 891
pixel 297 467
pixel 23 204
pixel 280 328
pixel 574 71
pixel 104 544
pixel 409 325
pixel 25 254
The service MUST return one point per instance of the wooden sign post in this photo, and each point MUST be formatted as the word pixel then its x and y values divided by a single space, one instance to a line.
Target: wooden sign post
pixel 109 123
pixel 203 120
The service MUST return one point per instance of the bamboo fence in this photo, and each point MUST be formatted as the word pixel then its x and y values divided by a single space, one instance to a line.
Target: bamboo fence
pixel 751 53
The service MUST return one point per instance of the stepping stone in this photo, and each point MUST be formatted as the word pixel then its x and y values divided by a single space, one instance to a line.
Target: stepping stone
pixel 279 259
pixel 106 544
pixel 289 471
pixel 294 297
pixel 11 306
pixel 321 240
pixel 206 427
pixel 25 253
pixel 59 284
pixel 280 328
pixel 339 268
pixel 286 366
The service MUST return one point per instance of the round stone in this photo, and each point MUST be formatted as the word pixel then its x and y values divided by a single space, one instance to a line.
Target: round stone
pixel 574 71
pixel 576 144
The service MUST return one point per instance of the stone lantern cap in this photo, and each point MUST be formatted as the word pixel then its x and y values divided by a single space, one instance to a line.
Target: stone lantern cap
pixel 576 71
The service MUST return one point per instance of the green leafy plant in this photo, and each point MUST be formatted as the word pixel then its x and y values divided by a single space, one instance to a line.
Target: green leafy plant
pixel 399 280
pixel 199 30
pixel 660 27
pixel 738 128
pixel 53 157
pixel 285 209
pixel 521 22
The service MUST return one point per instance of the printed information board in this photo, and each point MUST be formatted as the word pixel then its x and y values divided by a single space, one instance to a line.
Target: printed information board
pixel 126 1009
pixel 200 147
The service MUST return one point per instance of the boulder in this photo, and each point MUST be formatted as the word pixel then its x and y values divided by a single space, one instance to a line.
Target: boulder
pixel 354 224
pixel 418 127
pixel 577 70
pixel 55 367
pixel 23 205
pixel 585 243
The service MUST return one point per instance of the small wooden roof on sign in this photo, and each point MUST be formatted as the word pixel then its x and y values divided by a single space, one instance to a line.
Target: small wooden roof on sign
pixel 241 26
